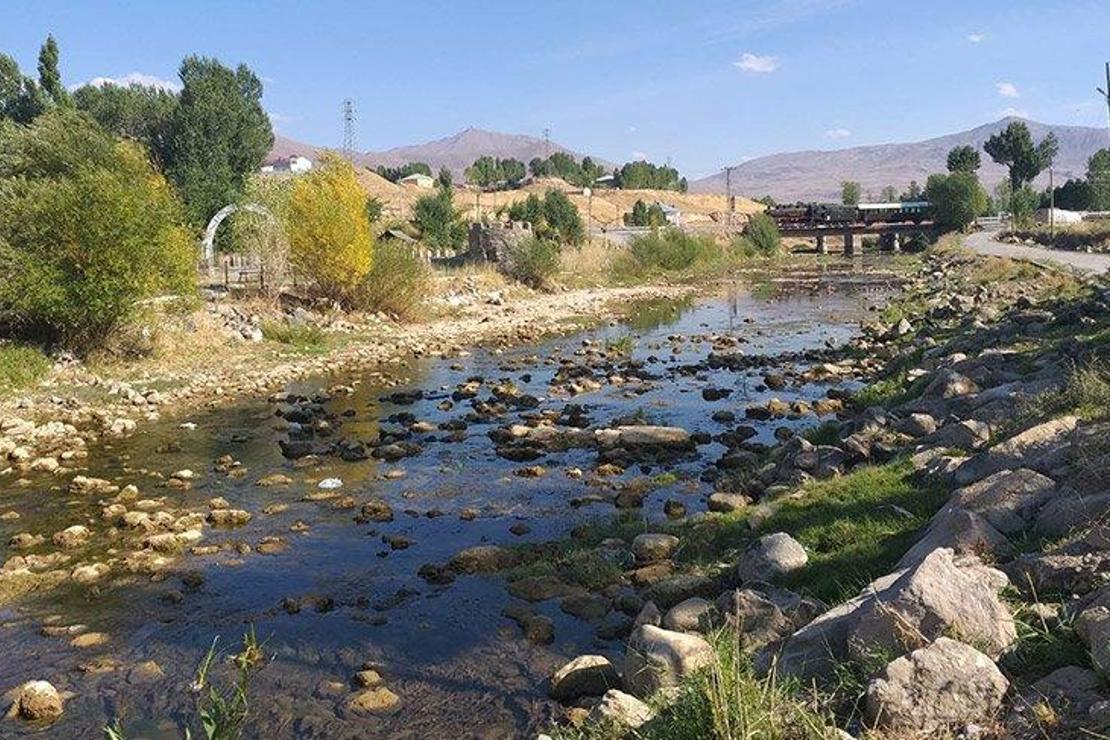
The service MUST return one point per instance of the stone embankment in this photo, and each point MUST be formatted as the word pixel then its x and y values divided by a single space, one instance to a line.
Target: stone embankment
pixel 987 403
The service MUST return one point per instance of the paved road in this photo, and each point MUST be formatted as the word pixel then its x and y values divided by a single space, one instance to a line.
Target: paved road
pixel 984 242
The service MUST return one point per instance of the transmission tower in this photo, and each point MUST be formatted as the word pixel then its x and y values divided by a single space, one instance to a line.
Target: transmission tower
pixel 348 128
pixel 547 142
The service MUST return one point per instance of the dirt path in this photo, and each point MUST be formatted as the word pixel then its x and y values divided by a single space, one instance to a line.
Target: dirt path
pixel 985 242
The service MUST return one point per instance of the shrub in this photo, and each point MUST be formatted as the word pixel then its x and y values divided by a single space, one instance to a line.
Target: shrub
pixel 297 335
pixel 440 224
pixel 259 236
pixel 534 261
pixel 329 236
pixel 763 233
pixel 398 283
pixel 957 199
pixel 671 250
pixel 21 366
pixel 89 229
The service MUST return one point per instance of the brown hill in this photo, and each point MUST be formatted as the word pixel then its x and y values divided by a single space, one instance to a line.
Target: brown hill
pixel 816 175
pixel 456 152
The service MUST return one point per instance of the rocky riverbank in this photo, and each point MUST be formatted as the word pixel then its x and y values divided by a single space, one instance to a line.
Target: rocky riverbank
pixel 985 435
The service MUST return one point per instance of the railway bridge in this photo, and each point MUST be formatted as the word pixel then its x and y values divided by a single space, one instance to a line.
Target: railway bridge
pixel 889 235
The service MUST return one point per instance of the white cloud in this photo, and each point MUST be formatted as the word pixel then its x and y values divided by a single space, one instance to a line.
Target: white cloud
pixel 837 133
pixel 757 63
pixel 1007 90
pixel 638 156
pixel 631 129
pixel 279 118
pixel 975 38
pixel 1015 112
pixel 135 78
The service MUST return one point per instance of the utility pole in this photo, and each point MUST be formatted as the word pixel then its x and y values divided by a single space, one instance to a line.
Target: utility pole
pixel 730 204
pixel 1051 206
pixel 1106 93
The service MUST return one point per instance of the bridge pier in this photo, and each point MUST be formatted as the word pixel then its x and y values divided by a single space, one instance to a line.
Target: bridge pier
pixel 822 247
pixel 849 244
pixel 896 242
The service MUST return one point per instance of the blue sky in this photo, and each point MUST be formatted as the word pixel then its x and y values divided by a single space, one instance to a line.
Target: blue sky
pixel 700 83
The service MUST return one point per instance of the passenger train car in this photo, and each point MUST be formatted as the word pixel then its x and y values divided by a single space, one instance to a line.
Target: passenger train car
pixel 820 215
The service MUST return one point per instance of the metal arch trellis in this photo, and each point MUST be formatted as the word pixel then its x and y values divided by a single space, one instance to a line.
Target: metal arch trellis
pixel 209 241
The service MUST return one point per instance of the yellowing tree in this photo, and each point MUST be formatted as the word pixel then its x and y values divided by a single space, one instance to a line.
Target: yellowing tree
pixel 329 234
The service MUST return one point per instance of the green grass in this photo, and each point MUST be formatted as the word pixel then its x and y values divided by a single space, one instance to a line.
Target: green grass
pixel 727 701
pixel 296 335
pixel 21 366
pixel 1085 393
pixel 890 392
pixel 1042 647
pixel 854 528
pixel 825 433
pixel 623 345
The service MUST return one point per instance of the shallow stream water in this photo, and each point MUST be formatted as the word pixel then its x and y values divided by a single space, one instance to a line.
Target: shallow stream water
pixel 460 668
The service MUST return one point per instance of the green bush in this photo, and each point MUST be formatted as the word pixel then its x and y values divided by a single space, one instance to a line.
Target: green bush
pixel 89 229
pixel 21 366
pixel 439 223
pixel 763 233
pixel 672 250
pixel 297 335
pixel 534 261
pixel 398 283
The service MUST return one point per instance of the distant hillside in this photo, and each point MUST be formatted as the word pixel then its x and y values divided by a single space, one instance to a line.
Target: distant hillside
pixel 454 152
pixel 816 175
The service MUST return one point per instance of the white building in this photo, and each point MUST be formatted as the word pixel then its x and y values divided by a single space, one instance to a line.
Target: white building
pixel 295 164
pixel 419 180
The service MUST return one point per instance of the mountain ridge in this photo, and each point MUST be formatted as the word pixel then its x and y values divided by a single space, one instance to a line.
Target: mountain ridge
pixel 456 151
pixel 816 174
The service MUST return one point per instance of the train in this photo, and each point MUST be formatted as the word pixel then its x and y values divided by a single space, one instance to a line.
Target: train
pixel 828 215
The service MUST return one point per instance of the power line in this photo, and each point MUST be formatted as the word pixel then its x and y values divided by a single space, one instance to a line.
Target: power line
pixel 348 128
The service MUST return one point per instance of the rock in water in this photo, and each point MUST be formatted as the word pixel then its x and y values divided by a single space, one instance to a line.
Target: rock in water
pixel 586 675
pixel 38 701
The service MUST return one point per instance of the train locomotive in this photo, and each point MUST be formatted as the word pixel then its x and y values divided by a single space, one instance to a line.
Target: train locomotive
pixel 829 215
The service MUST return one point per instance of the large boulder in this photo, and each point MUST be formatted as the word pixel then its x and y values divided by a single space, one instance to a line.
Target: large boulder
pixel 484 559
pixel 1093 627
pixel 618 709
pixel 1068 510
pixel 1072 696
pixel 937 688
pixel 938 596
pixel 766 616
pixel 1041 448
pixel 692 615
pixel 963 531
pixel 586 675
pixel 769 557
pixel 901 611
pixel 657 659
pixel 1008 500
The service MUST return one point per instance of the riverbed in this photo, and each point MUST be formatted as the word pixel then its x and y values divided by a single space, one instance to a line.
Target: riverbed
pixel 329 596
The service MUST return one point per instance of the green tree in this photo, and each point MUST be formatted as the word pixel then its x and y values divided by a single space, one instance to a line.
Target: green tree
pixel 1014 148
pixel 1098 176
pixel 1023 204
pixel 552 217
pixel 643 175
pixel 133 112
pixel 763 233
pixel 963 159
pixel 89 229
pixel 49 78
pixel 445 179
pixel 850 192
pixel 218 135
pixel 913 192
pixel 1073 195
pixel 1002 196
pixel 21 100
pixel 957 199
pixel 440 224
pixel 888 194
pixel 393 174
pixel 483 172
